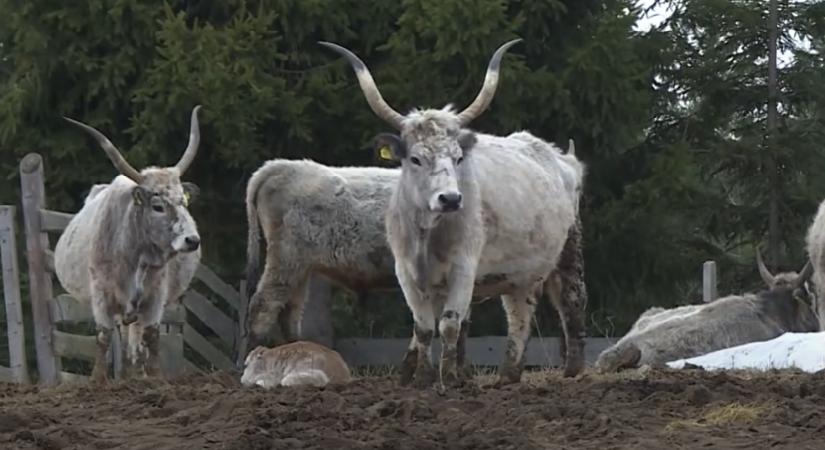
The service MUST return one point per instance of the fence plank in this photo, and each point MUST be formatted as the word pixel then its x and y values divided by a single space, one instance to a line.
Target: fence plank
pixel 77 346
pixel 198 343
pixel 54 220
pixel 67 309
pixel 482 350
pixel 40 291
pixel 211 316
pixel 11 294
pixel 214 282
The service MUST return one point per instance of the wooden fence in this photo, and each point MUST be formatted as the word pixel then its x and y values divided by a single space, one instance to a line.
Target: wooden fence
pixel 184 323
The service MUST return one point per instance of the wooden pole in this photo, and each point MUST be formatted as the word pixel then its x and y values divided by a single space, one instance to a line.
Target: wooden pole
pixel 240 328
pixel 40 283
pixel 316 325
pixel 11 294
pixel 709 292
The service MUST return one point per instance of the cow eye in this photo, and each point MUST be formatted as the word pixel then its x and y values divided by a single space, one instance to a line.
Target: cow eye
pixel 157 207
pixel 415 161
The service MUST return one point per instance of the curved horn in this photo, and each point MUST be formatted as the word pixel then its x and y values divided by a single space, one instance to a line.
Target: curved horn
pixel 377 103
pixel 806 273
pixel 194 142
pixel 488 89
pixel 112 152
pixel 766 275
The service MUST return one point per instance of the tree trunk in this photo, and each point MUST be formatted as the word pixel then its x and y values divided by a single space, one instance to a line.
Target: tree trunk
pixel 773 169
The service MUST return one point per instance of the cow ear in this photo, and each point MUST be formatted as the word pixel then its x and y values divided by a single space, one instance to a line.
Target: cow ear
pixel 466 140
pixel 140 195
pixel 390 147
pixel 190 192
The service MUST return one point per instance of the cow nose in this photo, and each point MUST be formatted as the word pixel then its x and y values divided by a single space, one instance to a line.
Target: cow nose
pixel 192 242
pixel 450 201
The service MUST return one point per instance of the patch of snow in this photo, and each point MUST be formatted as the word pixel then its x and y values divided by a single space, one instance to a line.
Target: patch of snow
pixel 803 351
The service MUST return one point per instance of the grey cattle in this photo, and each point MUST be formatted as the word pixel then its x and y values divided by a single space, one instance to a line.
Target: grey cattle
pixel 662 335
pixel 131 248
pixel 314 219
pixel 815 242
pixel 471 213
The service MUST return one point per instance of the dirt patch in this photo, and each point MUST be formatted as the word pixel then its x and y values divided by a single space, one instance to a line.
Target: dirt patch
pixel 631 410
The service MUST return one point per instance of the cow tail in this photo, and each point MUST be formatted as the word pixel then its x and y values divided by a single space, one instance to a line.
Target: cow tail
pixel 253 241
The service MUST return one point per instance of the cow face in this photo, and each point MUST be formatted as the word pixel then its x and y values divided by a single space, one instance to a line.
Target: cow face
pixel 432 167
pixel 161 202
pixel 254 364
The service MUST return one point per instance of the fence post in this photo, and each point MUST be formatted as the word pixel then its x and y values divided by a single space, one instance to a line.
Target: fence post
pixel 40 283
pixel 317 322
pixel 11 293
pixel 709 292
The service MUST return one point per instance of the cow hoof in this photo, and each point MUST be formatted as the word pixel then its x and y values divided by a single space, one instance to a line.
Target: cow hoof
pixel 452 380
pixel 508 375
pixel 466 372
pixel 573 367
pixel 424 378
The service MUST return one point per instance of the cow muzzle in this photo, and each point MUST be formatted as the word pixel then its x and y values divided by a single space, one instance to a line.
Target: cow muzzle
pixel 186 244
pixel 446 202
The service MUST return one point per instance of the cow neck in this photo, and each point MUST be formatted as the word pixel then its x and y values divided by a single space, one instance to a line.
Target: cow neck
pixel 136 248
pixel 416 226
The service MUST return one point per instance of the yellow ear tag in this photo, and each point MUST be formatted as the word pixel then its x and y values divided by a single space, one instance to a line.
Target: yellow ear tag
pixel 186 199
pixel 385 153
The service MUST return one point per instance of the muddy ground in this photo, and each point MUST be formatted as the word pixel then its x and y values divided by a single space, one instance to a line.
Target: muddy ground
pixel 655 410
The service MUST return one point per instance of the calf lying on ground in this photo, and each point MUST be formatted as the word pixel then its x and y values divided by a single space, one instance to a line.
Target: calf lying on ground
pixel 296 364
pixel 662 335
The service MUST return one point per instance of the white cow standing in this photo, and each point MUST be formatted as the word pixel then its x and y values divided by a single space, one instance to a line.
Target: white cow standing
pixel 131 249
pixel 471 211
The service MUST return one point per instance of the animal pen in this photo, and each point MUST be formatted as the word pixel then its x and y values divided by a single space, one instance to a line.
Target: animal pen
pixel 206 320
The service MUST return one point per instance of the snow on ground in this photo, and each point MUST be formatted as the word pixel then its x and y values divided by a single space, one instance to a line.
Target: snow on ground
pixel 804 351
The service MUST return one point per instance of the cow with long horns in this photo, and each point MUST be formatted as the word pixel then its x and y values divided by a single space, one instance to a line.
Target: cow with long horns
pixel 131 248
pixel 470 212
pixel 662 335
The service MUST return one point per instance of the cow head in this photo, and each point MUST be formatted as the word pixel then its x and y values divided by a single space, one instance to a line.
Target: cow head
pixel 432 145
pixel 160 199
pixel 254 364
pixel 793 281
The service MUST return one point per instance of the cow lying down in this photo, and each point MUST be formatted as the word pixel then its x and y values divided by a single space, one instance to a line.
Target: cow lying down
pixel 299 363
pixel 663 335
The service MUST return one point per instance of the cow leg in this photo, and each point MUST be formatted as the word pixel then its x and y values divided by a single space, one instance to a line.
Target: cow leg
pixel 410 362
pixel 101 367
pixel 131 337
pixel 454 313
pixel 104 327
pixel 423 331
pixel 151 350
pixel 264 322
pixel 465 369
pixel 568 294
pixel 519 310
